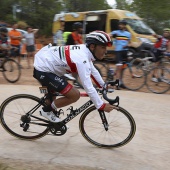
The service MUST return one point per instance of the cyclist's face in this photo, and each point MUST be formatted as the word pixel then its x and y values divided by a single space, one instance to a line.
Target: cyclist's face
pixel 100 51
pixel 166 34
pixel 80 30
pixel 122 26
pixel 3 34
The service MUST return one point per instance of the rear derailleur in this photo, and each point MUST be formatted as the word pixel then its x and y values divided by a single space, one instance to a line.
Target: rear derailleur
pixel 25 122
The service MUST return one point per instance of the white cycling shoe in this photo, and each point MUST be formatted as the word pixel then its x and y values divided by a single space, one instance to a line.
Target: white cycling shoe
pixel 154 79
pixel 50 116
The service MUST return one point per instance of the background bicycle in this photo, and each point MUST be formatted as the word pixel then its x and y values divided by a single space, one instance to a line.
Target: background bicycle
pixel 19 115
pixel 9 68
pixel 144 69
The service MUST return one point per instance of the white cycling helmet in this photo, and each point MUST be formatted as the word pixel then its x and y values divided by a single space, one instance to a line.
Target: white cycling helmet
pixel 98 38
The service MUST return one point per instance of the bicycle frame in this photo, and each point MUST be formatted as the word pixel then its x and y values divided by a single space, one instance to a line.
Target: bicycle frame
pixel 73 113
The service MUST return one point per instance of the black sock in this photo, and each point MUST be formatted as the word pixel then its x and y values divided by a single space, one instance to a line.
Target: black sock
pixel 47 108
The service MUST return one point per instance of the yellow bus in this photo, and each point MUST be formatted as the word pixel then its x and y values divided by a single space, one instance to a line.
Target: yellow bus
pixel 107 20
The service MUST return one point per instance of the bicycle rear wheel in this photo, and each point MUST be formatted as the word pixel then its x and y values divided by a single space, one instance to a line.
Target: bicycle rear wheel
pixel 16 107
pixel 133 76
pixel 161 82
pixel 11 70
pixel 121 128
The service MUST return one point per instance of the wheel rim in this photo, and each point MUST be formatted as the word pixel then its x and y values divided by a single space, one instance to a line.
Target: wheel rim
pixel 163 83
pixel 133 78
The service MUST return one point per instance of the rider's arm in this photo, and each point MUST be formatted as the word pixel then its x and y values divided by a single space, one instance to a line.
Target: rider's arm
pixel 35 30
pixel 113 34
pixel 95 75
pixel 129 41
pixel 84 71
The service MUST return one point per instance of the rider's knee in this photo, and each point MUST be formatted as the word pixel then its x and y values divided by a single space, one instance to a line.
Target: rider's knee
pixel 76 96
pixel 73 95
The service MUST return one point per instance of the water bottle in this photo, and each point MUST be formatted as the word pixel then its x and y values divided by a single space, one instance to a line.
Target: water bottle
pixel 110 74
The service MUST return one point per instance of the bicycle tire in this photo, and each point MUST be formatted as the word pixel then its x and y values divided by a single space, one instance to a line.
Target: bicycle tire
pixel 10 117
pixel 90 125
pixel 78 81
pixel 11 70
pixel 163 84
pixel 133 77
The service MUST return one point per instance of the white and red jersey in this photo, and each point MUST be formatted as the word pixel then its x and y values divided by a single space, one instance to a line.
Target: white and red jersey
pixel 73 58
pixel 162 43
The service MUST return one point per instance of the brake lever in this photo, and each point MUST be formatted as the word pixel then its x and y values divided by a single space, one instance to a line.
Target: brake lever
pixel 116 100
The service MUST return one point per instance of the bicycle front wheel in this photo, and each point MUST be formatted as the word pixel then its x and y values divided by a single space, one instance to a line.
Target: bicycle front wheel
pixel 133 77
pixel 11 70
pixel 14 109
pixel 121 128
pixel 160 83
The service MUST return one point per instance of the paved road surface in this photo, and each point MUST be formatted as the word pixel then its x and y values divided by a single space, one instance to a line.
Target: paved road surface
pixel 148 150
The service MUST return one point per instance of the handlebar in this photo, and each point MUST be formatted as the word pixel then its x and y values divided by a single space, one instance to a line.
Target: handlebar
pixel 105 90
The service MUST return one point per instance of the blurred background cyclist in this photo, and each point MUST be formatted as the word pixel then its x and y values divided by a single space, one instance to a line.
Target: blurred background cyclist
pixel 4 45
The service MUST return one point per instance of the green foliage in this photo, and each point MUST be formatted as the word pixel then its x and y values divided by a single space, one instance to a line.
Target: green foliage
pixel 155 13
pixel 40 13
pixel 85 5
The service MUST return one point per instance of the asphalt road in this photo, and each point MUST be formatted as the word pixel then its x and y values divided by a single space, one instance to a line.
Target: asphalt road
pixel 148 150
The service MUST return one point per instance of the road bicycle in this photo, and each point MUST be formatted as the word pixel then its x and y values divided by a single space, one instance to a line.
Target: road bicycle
pixel 10 68
pixel 145 69
pixel 20 117
pixel 134 74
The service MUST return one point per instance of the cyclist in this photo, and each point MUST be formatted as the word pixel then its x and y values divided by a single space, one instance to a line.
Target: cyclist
pixel 121 42
pixel 75 37
pixel 4 45
pixel 52 62
pixel 15 42
pixel 161 47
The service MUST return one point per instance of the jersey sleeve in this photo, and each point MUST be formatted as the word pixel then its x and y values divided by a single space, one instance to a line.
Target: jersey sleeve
pixel 130 36
pixel 84 72
pixel 113 33
pixel 95 75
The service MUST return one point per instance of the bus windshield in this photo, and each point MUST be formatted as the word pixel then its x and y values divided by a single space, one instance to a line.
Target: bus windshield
pixel 139 26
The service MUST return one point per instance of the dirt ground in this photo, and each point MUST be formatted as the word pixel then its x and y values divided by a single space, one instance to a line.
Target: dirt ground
pixel 8 164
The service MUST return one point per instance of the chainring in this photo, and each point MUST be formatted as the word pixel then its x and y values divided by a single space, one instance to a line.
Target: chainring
pixel 58 129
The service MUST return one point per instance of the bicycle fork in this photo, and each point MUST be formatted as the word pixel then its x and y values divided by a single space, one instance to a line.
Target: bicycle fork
pixel 104 120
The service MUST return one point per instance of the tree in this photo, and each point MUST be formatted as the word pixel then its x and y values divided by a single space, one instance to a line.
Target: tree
pixel 85 5
pixel 155 14
pixel 122 4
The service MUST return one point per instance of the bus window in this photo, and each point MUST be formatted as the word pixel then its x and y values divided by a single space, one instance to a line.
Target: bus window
pixel 114 24
pixel 139 26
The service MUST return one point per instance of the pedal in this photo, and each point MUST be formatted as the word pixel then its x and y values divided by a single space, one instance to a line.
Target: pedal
pixel 58 113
